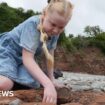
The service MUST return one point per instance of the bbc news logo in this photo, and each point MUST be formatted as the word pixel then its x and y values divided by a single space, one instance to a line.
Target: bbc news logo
pixel 6 94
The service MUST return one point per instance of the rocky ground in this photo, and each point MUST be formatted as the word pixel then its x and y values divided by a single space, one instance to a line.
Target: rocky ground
pixel 83 74
pixel 65 97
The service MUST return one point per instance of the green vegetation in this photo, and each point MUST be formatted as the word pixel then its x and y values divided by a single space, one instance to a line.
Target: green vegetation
pixel 94 36
pixel 11 17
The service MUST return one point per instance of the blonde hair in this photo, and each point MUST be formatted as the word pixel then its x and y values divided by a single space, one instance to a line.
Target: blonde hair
pixel 63 7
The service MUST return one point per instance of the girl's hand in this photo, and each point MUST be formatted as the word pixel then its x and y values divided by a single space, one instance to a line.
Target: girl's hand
pixel 50 95
pixel 58 84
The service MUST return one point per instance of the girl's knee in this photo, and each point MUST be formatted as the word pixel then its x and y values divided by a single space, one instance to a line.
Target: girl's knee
pixel 5 83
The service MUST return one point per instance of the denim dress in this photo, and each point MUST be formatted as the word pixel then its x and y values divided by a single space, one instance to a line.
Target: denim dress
pixel 26 36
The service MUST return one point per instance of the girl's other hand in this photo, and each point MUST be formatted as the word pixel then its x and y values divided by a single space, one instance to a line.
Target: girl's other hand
pixel 58 84
pixel 50 95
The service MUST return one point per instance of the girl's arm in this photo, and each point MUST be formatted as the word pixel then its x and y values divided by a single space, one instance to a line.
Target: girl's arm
pixel 50 94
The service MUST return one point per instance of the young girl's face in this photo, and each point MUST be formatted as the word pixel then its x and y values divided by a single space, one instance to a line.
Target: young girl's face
pixel 54 23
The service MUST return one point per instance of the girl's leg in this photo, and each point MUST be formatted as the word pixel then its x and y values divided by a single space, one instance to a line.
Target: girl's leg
pixel 5 83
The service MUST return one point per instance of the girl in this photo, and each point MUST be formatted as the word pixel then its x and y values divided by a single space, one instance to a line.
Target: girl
pixel 19 47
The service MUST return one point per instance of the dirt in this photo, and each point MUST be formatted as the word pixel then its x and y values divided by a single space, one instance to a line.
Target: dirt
pixel 90 61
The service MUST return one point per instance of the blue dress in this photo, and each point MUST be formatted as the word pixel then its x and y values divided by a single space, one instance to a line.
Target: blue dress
pixel 25 35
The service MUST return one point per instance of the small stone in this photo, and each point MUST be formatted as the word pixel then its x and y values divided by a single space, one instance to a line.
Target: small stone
pixel 15 102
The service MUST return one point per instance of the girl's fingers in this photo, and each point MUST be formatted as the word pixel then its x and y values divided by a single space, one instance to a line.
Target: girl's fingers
pixel 49 100
pixel 44 98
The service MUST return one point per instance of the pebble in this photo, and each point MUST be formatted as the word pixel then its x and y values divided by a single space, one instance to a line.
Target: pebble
pixel 15 102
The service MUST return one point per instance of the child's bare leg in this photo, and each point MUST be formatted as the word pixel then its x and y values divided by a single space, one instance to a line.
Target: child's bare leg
pixel 5 83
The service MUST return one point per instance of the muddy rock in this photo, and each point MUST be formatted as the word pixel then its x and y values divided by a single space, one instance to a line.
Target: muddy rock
pixel 64 95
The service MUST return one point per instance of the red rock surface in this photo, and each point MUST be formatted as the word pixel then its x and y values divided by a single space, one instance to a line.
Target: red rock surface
pixel 65 97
